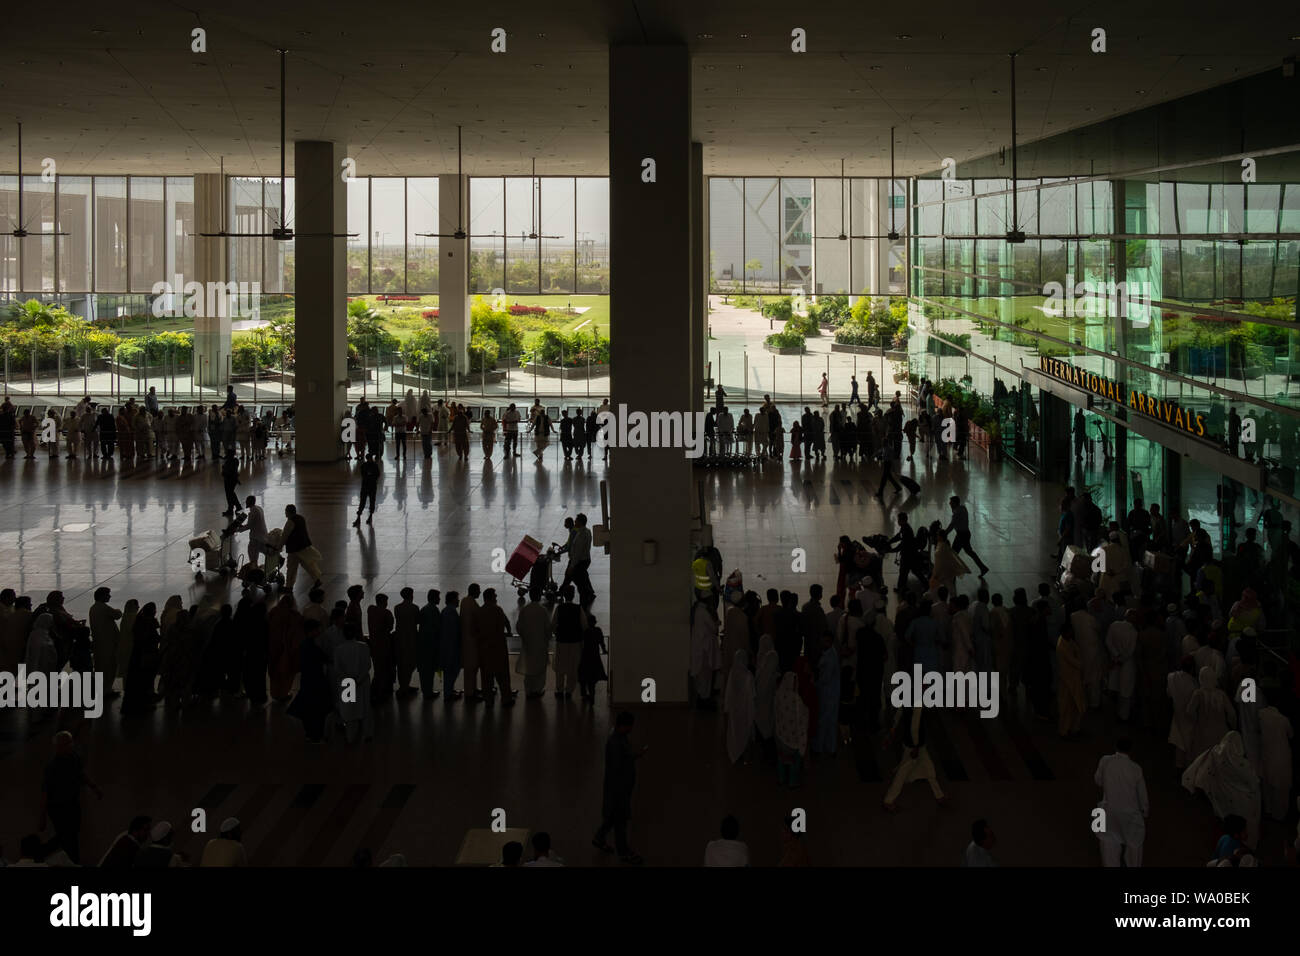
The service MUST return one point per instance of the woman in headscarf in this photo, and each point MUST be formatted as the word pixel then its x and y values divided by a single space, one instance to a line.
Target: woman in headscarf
pixel 828 698
pixel 1228 779
pixel 1211 713
pixel 254 638
pixel 769 673
pixel 1179 686
pixel 705 653
pixel 948 567
pixel 313 702
pixel 138 689
pixel 284 636
pixel 41 654
pixel 735 633
pixel 178 662
pixel 171 610
pixel 1071 702
pixel 808 694
pixel 738 705
pixel 126 637
pixel 791 726
pixel 216 650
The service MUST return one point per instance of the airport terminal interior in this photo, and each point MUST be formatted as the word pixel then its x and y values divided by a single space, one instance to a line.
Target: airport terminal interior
pixel 737 363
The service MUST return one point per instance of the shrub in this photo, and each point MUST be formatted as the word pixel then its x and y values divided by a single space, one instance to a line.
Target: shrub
pixel 429 314
pixel 571 351
pixel 785 339
pixel 518 309
pixel 781 309
pixel 483 352
pixel 830 310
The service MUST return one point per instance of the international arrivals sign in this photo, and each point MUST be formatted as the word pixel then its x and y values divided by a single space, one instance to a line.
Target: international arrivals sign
pixel 1162 410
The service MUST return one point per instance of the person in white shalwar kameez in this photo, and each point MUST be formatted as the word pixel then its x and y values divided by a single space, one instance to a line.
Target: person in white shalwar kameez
pixel 1211 713
pixel 738 705
pixel 1225 776
pixel 352 663
pixel 706 655
pixel 1121 642
pixel 1248 718
pixel 1180 685
pixel 533 625
pixel 1088 636
pixel 916 763
pixel 1275 761
pixel 1124 798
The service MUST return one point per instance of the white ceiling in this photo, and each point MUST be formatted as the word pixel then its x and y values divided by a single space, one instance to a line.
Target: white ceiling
pixel 102 89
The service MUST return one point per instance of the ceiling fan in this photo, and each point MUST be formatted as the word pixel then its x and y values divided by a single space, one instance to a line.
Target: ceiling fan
pixel 535 207
pixel 460 232
pixel 280 233
pixel 893 235
pixel 20 232
pixel 844 213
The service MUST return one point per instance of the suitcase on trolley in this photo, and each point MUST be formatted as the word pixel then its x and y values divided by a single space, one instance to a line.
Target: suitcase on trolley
pixel 523 558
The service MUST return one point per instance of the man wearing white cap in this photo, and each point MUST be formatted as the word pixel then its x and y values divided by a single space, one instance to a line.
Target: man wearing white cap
pixel 158 852
pixel 225 849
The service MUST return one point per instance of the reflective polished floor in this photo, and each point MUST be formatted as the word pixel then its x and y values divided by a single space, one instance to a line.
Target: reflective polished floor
pixel 435 772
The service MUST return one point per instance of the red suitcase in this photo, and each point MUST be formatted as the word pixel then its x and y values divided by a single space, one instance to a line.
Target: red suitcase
pixel 523 559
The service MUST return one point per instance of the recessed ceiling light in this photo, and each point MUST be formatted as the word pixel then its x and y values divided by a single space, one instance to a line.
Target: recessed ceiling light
pixel 1140 92
pixel 1206 69
pixel 875 66
pixel 903 36
pixel 1040 69
pixel 538 66
pixel 704 36
pixel 541 36
pixel 367 64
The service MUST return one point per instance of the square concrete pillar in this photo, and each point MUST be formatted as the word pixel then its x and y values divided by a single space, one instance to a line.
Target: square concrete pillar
pixel 320 300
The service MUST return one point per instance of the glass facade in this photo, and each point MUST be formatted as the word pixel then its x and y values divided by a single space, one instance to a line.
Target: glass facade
pixel 1180 288
pixel 545 238
pixel 779 236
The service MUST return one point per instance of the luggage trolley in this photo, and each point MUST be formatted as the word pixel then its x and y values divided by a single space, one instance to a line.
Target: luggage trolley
pixel 217 554
pixel 530 567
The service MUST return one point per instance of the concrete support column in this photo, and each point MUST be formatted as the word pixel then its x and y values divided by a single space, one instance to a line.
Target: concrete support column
pixel 453 270
pixel 699 356
pixel 320 300
pixel 212 321
pixel 650 488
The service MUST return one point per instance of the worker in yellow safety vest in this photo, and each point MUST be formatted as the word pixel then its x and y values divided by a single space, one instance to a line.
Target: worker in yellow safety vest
pixel 705 578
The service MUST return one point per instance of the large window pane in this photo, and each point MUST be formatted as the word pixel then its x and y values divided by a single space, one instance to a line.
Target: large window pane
pixel 246 216
pixel 387 234
pixel 75 219
pixel 830 199
pixel 178 226
pixel 38 248
pixel 148 242
pixel 726 234
pixel 593 234
pixel 421 251
pixel 358 247
pixel 8 244
pixel 521 251
pixel 110 234
pixel 487 212
pixel 277 274
pixel 762 230
pixel 556 219
pixel 796 234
